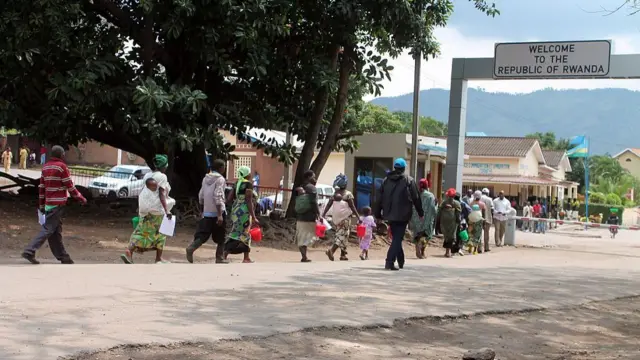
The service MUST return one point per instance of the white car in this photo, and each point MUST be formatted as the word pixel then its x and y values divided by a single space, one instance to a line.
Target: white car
pixel 324 193
pixel 122 181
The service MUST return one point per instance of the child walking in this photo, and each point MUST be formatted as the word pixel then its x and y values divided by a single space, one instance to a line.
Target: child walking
pixel 370 223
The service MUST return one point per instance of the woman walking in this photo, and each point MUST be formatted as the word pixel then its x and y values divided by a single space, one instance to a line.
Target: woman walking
pixel 243 216
pixel 153 204
pixel 422 229
pixel 7 157
pixel 343 208
pixel 449 218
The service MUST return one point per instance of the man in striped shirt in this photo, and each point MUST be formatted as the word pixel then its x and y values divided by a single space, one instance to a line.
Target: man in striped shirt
pixel 55 182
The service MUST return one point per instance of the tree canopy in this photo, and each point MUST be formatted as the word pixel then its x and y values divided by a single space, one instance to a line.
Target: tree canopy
pixel 548 141
pixel 162 76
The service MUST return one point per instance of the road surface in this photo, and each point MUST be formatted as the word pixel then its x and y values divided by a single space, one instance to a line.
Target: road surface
pixel 53 310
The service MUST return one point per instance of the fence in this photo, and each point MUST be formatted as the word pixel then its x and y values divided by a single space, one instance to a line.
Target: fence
pixel 276 198
pixel 575 222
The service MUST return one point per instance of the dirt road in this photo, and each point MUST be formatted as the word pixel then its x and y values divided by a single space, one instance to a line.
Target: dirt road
pixel 603 331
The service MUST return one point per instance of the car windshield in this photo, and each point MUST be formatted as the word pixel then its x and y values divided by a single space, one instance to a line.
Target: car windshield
pixel 118 173
pixel 329 191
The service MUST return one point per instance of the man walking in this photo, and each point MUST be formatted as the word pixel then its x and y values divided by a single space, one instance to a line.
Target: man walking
pixel 468 198
pixel 501 208
pixel 212 225
pixel 55 181
pixel 488 220
pixel 398 195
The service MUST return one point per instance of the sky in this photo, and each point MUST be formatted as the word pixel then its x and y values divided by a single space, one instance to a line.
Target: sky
pixel 473 34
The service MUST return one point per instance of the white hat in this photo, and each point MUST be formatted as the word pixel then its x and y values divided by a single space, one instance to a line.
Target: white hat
pixel 477 194
pixel 485 191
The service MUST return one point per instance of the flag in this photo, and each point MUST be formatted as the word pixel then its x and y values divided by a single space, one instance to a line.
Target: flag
pixel 578 152
pixel 581 148
pixel 578 140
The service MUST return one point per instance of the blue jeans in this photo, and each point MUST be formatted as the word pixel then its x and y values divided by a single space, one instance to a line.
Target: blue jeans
pixel 396 252
pixel 43 157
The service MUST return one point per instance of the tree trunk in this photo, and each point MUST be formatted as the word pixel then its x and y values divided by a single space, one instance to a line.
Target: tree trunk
pixel 187 168
pixel 321 99
pixel 333 131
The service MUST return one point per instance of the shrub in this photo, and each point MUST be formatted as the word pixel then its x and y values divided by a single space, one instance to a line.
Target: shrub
pixel 613 199
pixel 604 209
pixel 597 198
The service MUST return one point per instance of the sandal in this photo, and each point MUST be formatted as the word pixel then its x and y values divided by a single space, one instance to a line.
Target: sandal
pixel 361 257
pixel 344 258
pixel 247 261
pixel 305 260
pixel 126 258
pixel 163 262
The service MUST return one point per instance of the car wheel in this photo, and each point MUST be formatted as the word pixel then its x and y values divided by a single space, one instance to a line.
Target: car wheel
pixel 123 193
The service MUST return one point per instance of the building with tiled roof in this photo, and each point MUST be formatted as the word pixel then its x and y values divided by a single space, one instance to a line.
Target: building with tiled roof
pixel 516 165
pixel 629 159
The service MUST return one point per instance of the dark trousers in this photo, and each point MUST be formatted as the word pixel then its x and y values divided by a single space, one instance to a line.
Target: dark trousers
pixel 209 228
pixel 52 231
pixel 396 252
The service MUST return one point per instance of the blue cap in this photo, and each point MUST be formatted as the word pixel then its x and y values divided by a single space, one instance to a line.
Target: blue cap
pixel 399 163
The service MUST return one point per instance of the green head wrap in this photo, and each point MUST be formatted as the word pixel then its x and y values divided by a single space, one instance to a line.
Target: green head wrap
pixel 614 210
pixel 160 161
pixel 243 172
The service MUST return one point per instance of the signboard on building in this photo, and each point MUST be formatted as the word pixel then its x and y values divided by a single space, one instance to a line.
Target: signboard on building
pixel 552 60
pixel 487 168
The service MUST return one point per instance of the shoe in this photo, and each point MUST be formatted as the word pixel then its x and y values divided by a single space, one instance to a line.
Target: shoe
pixel 391 268
pixel 329 255
pixel 222 261
pixel 344 258
pixel 401 266
pixel 67 261
pixel 30 258
pixel 189 252
pixel 305 260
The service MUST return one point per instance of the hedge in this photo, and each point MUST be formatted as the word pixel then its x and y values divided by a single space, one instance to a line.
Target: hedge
pixel 601 209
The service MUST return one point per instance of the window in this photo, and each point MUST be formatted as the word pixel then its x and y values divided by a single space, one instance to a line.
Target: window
pixel 628 160
pixel 241 161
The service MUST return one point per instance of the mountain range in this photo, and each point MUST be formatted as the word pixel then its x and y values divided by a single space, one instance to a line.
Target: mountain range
pixel 606 116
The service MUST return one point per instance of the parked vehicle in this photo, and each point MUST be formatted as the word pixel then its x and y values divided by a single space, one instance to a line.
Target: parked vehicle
pixel 122 181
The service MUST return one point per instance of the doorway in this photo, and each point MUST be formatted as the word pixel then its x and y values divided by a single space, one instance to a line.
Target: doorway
pixel 369 174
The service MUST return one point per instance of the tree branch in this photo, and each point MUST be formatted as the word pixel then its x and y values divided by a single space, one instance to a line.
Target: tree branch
pixel 346 66
pixel 349 134
pixel 118 17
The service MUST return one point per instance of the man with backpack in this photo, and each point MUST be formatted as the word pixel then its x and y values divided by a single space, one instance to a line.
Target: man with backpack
pixel 396 199
pixel 307 213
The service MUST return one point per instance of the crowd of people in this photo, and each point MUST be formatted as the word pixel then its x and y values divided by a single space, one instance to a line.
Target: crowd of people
pixel 463 222
pixel 26 158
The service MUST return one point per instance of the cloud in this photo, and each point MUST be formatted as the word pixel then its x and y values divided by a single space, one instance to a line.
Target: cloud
pixel 436 73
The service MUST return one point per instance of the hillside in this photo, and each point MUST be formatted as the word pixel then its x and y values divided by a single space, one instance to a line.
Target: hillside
pixel 608 116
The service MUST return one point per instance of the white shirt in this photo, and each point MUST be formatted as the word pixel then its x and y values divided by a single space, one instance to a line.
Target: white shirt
pixel 526 211
pixel 501 208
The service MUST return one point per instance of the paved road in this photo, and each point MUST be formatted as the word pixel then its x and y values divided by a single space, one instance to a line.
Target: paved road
pixel 52 310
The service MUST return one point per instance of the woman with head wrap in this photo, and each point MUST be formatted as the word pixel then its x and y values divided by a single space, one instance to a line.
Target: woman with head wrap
pixel 153 203
pixel 243 216
pixel 449 218
pixel 343 208
pixel 422 229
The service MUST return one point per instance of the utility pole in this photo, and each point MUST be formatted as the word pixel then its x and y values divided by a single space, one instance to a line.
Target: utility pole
pixel 413 170
pixel 413 167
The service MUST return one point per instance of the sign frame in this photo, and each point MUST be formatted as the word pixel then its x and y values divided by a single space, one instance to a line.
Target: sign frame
pixel 551 77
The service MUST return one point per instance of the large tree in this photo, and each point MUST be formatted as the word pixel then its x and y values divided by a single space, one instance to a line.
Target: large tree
pixel 162 76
